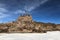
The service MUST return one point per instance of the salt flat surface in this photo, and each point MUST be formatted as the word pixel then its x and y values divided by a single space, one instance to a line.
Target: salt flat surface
pixel 31 36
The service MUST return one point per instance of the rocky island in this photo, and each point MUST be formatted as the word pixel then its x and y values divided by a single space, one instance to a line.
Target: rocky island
pixel 25 24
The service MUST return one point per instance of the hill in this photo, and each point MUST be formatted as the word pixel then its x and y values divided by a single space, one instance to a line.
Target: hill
pixel 25 24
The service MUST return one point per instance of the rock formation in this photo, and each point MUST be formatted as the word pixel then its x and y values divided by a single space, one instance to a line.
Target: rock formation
pixel 25 24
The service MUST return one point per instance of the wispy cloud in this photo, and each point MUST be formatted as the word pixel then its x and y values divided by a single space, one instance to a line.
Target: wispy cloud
pixel 30 5
pixel 2 15
pixel 3 11
pixel 19 11
pixel 34 4
pixel 2 5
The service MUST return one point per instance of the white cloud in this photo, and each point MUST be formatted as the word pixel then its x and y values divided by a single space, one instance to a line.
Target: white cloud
pixel 34 4
pixel 2 15
pixel 19 11
pixel 3 11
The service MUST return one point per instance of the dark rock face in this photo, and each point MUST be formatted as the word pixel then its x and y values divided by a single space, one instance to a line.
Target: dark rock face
pixel 25 24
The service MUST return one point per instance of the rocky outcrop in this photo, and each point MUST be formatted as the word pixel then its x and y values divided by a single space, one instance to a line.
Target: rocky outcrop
pixel 25 24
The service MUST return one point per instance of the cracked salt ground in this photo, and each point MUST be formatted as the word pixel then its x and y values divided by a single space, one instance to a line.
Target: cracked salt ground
pixel 31 36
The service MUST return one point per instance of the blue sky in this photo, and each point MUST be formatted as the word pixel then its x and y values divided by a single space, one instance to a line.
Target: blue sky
pixel 41 10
